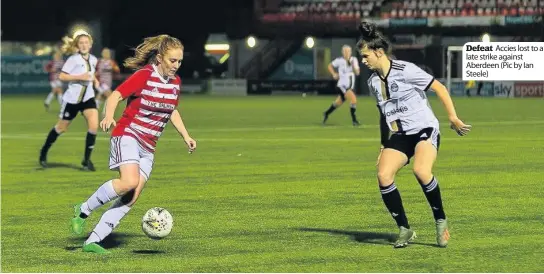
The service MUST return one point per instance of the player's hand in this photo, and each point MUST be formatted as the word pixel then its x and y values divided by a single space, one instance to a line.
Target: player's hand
pixel 461 128
pixel 379 156
pixel 335 76
pixel 191 144
pixel 107 123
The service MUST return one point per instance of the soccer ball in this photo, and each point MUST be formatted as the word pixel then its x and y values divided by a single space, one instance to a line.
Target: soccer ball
pixel 157 223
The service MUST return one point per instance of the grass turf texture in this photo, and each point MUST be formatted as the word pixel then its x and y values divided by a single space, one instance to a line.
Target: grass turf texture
pixel 271 190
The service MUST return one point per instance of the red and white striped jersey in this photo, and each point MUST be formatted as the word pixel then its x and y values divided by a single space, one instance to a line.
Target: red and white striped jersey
pixel 54 67
pixel 105 69
pixel 151 101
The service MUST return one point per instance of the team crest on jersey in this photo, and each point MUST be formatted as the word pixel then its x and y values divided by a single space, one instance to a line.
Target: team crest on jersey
pixel 394 87
pixel 155 90
pixel 175 90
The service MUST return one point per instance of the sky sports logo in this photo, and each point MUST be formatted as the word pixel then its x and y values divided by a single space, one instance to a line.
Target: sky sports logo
pixel 529 89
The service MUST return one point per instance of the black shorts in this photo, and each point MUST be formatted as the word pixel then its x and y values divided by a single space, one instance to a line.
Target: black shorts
pixel 407 143
pixel 69 111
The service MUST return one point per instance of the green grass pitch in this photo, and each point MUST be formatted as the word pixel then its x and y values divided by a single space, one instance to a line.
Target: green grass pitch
pixel 271 190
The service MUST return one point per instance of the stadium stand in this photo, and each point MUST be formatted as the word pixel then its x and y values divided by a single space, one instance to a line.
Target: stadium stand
pixel 440 8
pixel 331 10
pixel 342 10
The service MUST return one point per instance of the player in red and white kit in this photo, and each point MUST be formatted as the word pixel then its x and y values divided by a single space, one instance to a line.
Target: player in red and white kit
pixel 105 69
pixel 152 94
pixel 54 68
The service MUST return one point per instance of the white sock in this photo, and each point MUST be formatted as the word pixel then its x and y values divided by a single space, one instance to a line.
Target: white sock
pixel 103 194
pixel 109 221
pixel 49 98
pixel 98 102
pixel 59 98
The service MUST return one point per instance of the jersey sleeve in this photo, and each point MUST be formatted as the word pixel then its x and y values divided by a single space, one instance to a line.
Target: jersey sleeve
pixel 335 63
pixel 418 77
pixel 134 83
pixel 69 65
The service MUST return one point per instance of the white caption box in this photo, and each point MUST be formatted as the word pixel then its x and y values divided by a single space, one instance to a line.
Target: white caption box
pixel 503 61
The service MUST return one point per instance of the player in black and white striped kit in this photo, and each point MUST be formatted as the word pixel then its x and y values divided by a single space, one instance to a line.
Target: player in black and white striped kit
pixel 400 89
pixel 344 69
pixel 79 72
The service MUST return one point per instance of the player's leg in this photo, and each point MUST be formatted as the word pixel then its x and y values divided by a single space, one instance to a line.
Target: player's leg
pixel 91 115
pixel 124 156
pixel 105 95
pixel 392 159
pixel 112 217
pixel 49 97
pixel 350 95
pixel 98 98
pixel 67 113
pixel 336 104
pixel 58 91
pixel 424 159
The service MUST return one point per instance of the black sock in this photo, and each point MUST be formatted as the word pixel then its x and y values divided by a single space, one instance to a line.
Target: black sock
pixel 432 192
pixel 89 145
pixel 393 202
pixel 51 138
pixel 330 110
pixel 352 109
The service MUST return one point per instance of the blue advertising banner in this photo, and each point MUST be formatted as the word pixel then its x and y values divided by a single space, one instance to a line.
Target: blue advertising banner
pixel 300 66
pixel 24 74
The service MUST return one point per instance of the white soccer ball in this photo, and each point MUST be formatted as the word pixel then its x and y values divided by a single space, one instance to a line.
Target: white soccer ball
pixel 157 223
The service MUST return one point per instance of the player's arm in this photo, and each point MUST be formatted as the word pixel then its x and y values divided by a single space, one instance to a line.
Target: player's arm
pixel 65 77
pixel 444 96
pixel 356 68
pixel 112 102
pixel 115 67
pixel 332 71
pixel 69 66
pixel 177 121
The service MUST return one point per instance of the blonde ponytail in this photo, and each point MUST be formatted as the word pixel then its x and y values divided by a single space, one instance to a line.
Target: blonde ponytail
pixel 147 51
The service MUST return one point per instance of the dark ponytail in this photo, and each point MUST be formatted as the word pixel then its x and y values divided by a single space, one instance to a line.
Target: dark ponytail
pixel 372 38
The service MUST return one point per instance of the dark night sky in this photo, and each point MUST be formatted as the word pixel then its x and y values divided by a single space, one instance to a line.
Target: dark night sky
pixel 123 21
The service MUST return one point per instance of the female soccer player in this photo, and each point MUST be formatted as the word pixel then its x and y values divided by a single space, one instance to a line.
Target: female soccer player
pixel 105 69
pixel 53 67
pixel 78 71
pixel 347 67
pixel 400 87
pixel 153 95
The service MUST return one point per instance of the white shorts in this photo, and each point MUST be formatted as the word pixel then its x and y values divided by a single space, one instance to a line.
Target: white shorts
pixel 346 84
pixel 127 150
pixel 103 87
pixel 55 84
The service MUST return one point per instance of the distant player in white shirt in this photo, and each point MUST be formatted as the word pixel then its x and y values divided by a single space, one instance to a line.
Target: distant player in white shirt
pixel 79 72
pixel 400 89
pixel 344 69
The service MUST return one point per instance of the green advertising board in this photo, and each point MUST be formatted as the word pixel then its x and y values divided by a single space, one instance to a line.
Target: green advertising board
pixel 300 66
pixel 25 74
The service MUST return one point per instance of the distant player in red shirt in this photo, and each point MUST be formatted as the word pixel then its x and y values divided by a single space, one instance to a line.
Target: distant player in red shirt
pixel 105 69
pixel 54 68
pixel 152 94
